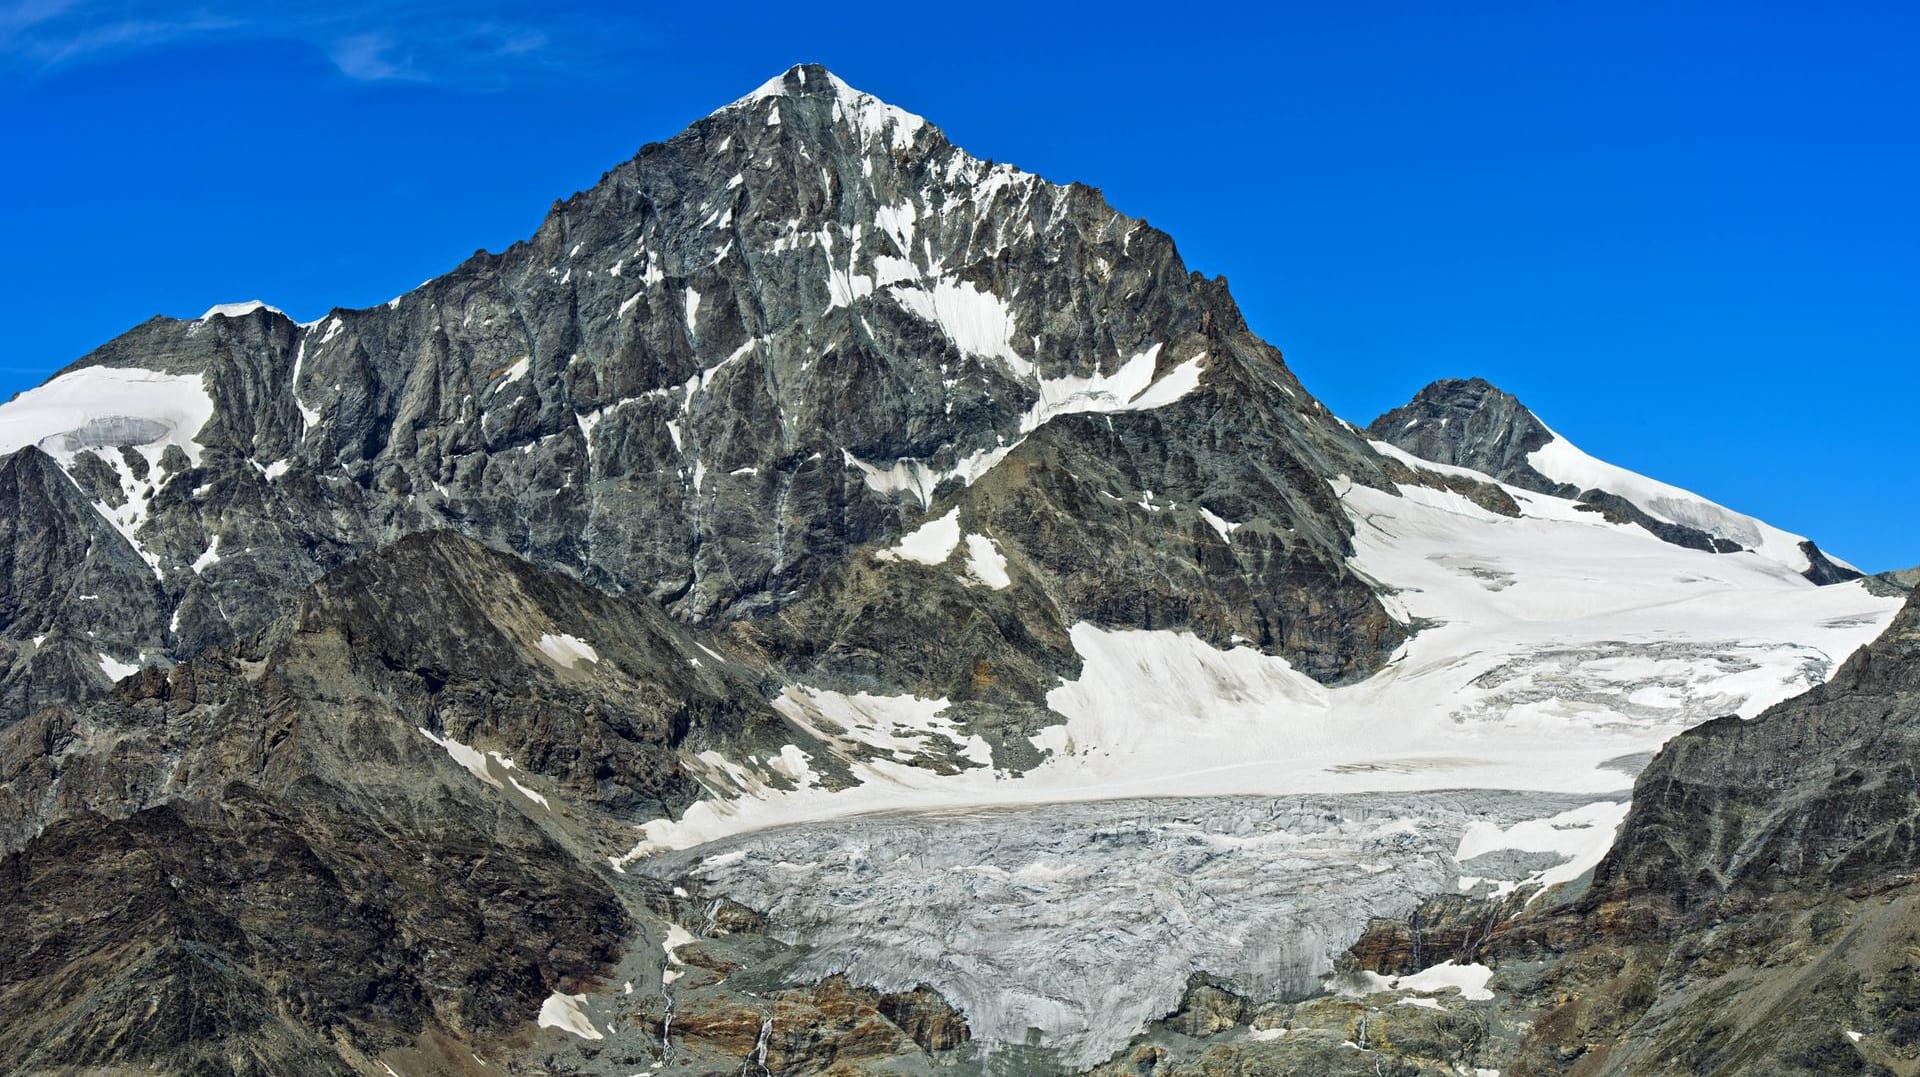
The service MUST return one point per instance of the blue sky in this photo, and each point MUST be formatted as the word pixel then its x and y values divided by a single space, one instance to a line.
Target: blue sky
pixel 1685 233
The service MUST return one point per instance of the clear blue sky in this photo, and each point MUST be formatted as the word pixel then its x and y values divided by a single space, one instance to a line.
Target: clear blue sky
pixel 1685 233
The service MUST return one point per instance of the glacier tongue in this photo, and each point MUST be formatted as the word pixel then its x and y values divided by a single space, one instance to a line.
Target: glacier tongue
pixel 1070 927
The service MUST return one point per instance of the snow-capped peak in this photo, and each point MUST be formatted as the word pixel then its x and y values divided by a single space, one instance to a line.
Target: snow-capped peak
pixel 1470 423
pixel 867 113
pixel 235 310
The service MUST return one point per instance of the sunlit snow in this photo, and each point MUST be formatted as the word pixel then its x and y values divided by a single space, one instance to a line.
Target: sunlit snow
pixel 568 1013
pixel 568 651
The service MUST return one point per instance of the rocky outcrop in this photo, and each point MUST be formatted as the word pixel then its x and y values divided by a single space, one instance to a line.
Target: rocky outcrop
pixel 1469 423
pixel 361 826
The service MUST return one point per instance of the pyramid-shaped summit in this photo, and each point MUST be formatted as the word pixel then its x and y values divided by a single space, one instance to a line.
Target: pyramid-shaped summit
pixel 787 336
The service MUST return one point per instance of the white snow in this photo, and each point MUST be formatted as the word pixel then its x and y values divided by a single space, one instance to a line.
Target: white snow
pixel 1225 527
pixel 104 407
pixel 117 670
pixel 1132 387
pixel 986 563
pixel 844 286
pixel 858 725
pixel 568 1013
pixel 521 788
pixel 308 416
pixel 474 761
pixel 236 310
pixel 930 544
pixel 568 651
pixel 276 469
pixel 873 118
pixel 1469 980
pixel 1561 461
pixel 1557 643
pixel 1581 835
pixel 677 937
pixel 208 557
pixel 977 321
pixel 99 409
pixel 513 373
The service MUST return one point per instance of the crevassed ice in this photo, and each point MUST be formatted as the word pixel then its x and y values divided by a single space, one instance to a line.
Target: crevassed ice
pixel 98 409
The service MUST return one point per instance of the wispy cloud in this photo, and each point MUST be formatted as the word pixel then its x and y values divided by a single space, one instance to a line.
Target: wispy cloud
pixel 472 45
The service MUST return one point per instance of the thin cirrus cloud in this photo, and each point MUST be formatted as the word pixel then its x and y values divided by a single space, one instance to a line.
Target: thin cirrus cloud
pixel 469 46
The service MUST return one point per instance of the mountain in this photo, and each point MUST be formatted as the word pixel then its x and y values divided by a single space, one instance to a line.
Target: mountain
pixel 1474 425
pixel 824 600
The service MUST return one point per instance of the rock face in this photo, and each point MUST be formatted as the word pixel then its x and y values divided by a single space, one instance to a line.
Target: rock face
pixel 802 327
pixel 282 853
pixel 421 607
pixel 1470 423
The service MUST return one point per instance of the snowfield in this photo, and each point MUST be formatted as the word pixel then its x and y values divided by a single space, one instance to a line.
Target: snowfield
pixel 1547 650
pixel 1214 810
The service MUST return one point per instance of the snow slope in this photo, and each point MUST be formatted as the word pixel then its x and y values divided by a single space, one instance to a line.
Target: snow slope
pixel 1549 649
pixel 98 409
pixel 1562 461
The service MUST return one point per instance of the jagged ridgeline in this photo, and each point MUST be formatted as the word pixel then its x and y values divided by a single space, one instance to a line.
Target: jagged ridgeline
pixel 801 327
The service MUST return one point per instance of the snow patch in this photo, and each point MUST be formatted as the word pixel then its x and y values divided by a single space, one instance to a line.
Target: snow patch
pixel 930 544
pixel 1469 980
pixel 238 310
pixel 1563 462
pixel 1582 835
pixel 513 373
pixel 568 651
pixel 568 1013
pixel 976 320
pixel 985 562
pixel 208 557
pixel 1225 527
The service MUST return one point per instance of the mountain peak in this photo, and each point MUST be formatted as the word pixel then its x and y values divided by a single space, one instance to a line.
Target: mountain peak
pixel 1473 424
pixel 1469 422
pixel 812 83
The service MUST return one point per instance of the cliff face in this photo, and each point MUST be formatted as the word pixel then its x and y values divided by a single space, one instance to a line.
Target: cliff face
pixel 803 326
pixel 1763 887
